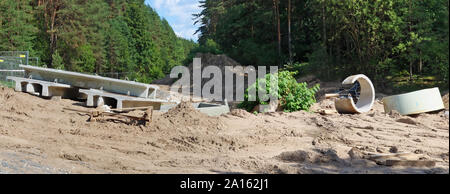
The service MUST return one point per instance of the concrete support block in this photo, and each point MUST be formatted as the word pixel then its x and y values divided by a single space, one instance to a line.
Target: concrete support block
pixel 46 91
pixel 119 104
pixel 39 87
pixel 100 101
pixel 18 87
pixel 90 101
pixel 118 101
pixel 30 89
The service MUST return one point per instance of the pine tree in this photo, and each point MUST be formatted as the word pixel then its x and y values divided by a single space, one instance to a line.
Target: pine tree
pixel 122 38
pixel 17 27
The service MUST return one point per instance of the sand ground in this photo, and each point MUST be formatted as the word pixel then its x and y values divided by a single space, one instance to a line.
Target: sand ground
pixel 38 136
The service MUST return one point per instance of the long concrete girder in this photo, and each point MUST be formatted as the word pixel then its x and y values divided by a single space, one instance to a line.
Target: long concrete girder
pixel 81 80
pixel 38 87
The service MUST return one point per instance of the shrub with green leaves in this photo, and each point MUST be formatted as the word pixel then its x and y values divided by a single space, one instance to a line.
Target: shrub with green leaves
pixel 293 96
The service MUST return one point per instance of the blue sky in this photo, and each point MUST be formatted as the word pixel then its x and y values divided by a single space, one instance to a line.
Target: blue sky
pixel 179 15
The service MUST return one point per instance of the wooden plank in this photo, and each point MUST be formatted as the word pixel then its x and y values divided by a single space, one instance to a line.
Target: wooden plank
pixel 406 156
pixel 328 96
pixel 411 163
pixel 135 108
pixel 326 112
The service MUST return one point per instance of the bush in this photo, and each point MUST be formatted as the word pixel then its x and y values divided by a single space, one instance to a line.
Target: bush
pixel 293 96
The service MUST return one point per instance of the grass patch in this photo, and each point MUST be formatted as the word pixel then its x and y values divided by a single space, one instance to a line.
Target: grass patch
pixel 403 84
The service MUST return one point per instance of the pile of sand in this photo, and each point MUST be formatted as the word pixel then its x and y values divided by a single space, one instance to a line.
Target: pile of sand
pixel 324 104
pixel 207 59
pixel 184 128
pixel 5 94
pixel 13 103
pixel 184 117
pixel 241 113
pixel 183 140
pixel 317 156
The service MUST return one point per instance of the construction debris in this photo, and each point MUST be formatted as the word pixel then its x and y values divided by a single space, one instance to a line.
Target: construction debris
pixel 422 101
pixel 105 114
pixel 96 90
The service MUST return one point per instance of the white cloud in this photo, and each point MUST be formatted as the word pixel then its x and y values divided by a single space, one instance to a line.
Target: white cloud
pixel 179 14
pixel 157 4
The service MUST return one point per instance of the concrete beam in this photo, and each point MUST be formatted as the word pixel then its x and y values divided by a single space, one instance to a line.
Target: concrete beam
pixel 98 97
pixel 81 80
pixel 38 87
pixel 205 108
pixel 212 109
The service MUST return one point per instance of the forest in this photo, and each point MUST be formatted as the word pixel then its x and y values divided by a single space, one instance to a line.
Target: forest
pixel 107 37
pixel 384 39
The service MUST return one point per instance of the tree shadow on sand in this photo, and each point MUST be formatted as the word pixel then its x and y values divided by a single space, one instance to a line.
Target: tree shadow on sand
pixel 328 162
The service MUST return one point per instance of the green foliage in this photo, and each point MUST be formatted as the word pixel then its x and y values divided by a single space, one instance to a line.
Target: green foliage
pixel 208 47
pixel 7 84
pixel 107 37
pixel 331 39
pixel 17 26
pixel 86 60
pixel 243 30
pixel 293 96
pixel 335 39
pixel 57 61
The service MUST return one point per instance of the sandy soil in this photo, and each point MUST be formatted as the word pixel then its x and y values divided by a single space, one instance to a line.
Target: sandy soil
pixel 38 136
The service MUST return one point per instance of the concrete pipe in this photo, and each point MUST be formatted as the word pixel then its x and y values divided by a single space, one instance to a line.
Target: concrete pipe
pixel 346 105
pixel 417 102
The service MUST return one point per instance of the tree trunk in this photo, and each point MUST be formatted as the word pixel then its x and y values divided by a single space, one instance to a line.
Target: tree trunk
pixel 324 26
pixel 410 29
pixel 277 16
pixel 325 36
pixel 420 62
pixel 52 8
pixel 410 71
pixel 289 31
